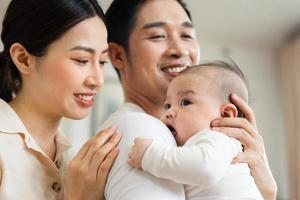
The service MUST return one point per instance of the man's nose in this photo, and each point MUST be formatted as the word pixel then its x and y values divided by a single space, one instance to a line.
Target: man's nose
pixel 177 48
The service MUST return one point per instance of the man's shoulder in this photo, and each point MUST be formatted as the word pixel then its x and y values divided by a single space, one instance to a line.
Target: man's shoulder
pixel 127 115
pixel 133 123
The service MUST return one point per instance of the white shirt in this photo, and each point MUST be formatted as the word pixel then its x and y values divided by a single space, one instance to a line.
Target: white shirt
pixel 127 183
pixel 26 172
pixel 203 164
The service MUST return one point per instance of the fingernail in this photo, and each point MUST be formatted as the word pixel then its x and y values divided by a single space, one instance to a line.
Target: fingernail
pixel 216 122
pixel 113 126
pixel 234 95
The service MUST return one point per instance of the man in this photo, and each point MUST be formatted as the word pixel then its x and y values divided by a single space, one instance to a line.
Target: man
pixel 150 42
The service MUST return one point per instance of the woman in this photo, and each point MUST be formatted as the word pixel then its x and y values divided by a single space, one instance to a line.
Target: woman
pixel 51 67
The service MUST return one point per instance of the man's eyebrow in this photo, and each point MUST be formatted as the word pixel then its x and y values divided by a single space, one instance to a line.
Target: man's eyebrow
pixel 186 24
pixel 153 25
pixel 83 48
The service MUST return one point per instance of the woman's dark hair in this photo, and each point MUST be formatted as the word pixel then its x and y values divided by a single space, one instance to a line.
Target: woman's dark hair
pixel 121 19
pixel 36 24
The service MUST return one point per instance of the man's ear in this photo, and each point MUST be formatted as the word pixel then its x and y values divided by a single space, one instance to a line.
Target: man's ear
pixel 23 60
pixel 117 55
pixel 229 110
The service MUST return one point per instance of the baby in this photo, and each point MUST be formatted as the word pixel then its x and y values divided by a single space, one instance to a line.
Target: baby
pixel 202 160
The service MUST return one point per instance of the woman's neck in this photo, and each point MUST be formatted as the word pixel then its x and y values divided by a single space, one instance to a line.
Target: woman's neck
pixel 40 125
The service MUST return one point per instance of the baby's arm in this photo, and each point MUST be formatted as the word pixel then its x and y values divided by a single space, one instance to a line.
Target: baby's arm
pixel 201 162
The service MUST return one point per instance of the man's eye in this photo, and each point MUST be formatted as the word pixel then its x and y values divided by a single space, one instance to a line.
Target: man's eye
pixel 187 36
pixel 157 37
pixel 185 102
pixel 167 106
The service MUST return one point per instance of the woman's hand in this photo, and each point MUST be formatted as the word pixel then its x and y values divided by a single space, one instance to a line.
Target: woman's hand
pixel 87 172
pixel 244 129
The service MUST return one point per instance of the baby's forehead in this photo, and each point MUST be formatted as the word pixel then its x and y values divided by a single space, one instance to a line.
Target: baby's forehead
pixel 190 81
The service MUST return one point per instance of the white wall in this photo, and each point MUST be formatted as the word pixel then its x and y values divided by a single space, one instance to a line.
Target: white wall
pixel 261 68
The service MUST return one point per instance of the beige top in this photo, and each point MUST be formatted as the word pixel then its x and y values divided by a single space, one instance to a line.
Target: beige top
pixel 26 172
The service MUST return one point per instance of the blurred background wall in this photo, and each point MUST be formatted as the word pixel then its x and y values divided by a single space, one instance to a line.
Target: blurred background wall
pixel 253 33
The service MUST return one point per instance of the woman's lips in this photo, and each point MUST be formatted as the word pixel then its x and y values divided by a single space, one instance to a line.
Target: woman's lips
pixel 85 99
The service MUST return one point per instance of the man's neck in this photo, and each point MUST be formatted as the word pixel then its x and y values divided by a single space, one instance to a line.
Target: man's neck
pixel 149 106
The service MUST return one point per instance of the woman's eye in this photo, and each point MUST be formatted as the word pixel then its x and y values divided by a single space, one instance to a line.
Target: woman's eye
pixel 81 61
pixel 185 102
pixel 102 63
pixel 167 106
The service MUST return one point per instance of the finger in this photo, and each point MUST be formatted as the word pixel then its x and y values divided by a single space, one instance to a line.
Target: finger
pixel 103 151
pixel 82 152
pixel 97 141
pixel 104 168
pixel 235 122
pixel 244 108
pixel 240 158
pixel 238 134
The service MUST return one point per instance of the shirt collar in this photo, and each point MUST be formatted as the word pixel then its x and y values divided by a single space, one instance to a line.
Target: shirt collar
pixel 12 124
pixel 10 121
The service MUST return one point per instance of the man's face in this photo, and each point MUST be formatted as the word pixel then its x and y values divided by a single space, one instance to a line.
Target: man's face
pixel 162 43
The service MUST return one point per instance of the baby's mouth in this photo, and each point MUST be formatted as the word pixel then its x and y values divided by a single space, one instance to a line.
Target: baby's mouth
pixel 173 131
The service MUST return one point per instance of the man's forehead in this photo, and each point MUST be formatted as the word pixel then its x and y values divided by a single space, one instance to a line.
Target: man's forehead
pixel 162 11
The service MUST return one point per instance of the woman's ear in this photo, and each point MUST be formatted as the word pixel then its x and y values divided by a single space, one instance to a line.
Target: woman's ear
pixel 117 55
pixel 229 110
pixel 23 60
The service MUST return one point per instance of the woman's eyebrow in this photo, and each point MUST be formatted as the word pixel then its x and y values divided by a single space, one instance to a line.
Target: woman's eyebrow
pixel 83 48
pixel 87 49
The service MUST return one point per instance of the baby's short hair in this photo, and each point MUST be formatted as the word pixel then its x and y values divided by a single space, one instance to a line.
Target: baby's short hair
pixel 225 78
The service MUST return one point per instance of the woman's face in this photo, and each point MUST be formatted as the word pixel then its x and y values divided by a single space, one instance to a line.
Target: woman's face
pixel 162 43
pixel 65 80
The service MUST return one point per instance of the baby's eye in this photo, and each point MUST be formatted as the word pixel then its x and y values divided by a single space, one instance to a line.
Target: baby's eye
pixel 167 106
pixel 185 102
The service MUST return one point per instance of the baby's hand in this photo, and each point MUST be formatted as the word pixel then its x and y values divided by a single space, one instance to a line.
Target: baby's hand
pixel 137 152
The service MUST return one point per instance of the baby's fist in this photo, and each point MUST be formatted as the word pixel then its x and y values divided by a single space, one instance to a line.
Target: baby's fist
pixel 137 152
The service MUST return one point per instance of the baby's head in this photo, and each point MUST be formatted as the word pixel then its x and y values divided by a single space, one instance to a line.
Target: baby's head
pixel 199 95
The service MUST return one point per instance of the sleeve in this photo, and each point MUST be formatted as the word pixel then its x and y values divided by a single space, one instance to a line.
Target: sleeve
pixel 127 183
pixel 202 162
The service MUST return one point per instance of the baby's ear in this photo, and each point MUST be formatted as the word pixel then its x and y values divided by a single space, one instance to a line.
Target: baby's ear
pixel 229 110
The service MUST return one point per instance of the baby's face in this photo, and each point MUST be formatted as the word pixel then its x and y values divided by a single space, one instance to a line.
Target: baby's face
pixel 190 106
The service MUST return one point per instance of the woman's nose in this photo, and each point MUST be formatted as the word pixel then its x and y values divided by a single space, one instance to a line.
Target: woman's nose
pixel 95 79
